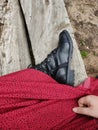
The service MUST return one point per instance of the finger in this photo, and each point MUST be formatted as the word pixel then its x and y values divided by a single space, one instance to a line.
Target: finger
pixel 84 101
pixel 82 110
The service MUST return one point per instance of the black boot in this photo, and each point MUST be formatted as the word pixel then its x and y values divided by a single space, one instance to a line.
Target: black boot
pixel 57 63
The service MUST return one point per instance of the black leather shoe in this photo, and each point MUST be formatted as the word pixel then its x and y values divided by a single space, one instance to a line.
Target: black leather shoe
pixel 57 63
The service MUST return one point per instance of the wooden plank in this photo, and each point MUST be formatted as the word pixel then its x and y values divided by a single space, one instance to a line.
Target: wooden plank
pixel 45 20
pixel 14 54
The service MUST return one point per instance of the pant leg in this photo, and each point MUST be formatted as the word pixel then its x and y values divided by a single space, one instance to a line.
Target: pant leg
pixel 30 99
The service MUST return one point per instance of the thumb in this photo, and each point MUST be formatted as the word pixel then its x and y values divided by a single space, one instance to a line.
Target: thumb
pixel 85 101
pixel 82 110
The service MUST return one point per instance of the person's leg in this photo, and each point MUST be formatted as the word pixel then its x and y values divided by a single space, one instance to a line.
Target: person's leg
pixel 30 97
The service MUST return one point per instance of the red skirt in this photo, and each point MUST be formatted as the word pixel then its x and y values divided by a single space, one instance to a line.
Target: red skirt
pixel 31 100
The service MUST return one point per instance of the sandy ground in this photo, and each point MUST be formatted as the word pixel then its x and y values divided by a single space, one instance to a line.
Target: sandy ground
pixel 84 18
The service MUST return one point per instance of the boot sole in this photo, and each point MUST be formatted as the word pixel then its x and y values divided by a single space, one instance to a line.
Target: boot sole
pixel 70 73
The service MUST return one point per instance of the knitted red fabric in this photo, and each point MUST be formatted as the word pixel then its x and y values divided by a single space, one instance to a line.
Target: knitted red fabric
pixel 31 100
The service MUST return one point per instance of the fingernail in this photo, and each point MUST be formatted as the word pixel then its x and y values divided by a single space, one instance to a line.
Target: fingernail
pixel 75 109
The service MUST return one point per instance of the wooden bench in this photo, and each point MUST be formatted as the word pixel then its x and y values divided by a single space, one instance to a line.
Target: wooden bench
pixel 20 46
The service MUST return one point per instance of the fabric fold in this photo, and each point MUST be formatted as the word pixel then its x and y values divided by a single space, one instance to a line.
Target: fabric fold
pixel 32 100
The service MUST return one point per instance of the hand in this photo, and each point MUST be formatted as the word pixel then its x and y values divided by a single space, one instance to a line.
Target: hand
pixel 88 105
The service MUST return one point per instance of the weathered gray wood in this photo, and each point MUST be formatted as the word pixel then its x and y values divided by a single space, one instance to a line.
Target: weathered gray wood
pixel 14 54
pixel 45 20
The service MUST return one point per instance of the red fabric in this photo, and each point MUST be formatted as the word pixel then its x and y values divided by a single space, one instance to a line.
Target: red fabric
pixel 31 100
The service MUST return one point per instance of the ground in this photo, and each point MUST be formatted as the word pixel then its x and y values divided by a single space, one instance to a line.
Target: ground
pixel 84 19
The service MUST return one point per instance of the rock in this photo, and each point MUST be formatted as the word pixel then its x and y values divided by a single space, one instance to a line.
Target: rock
pixel 14 54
